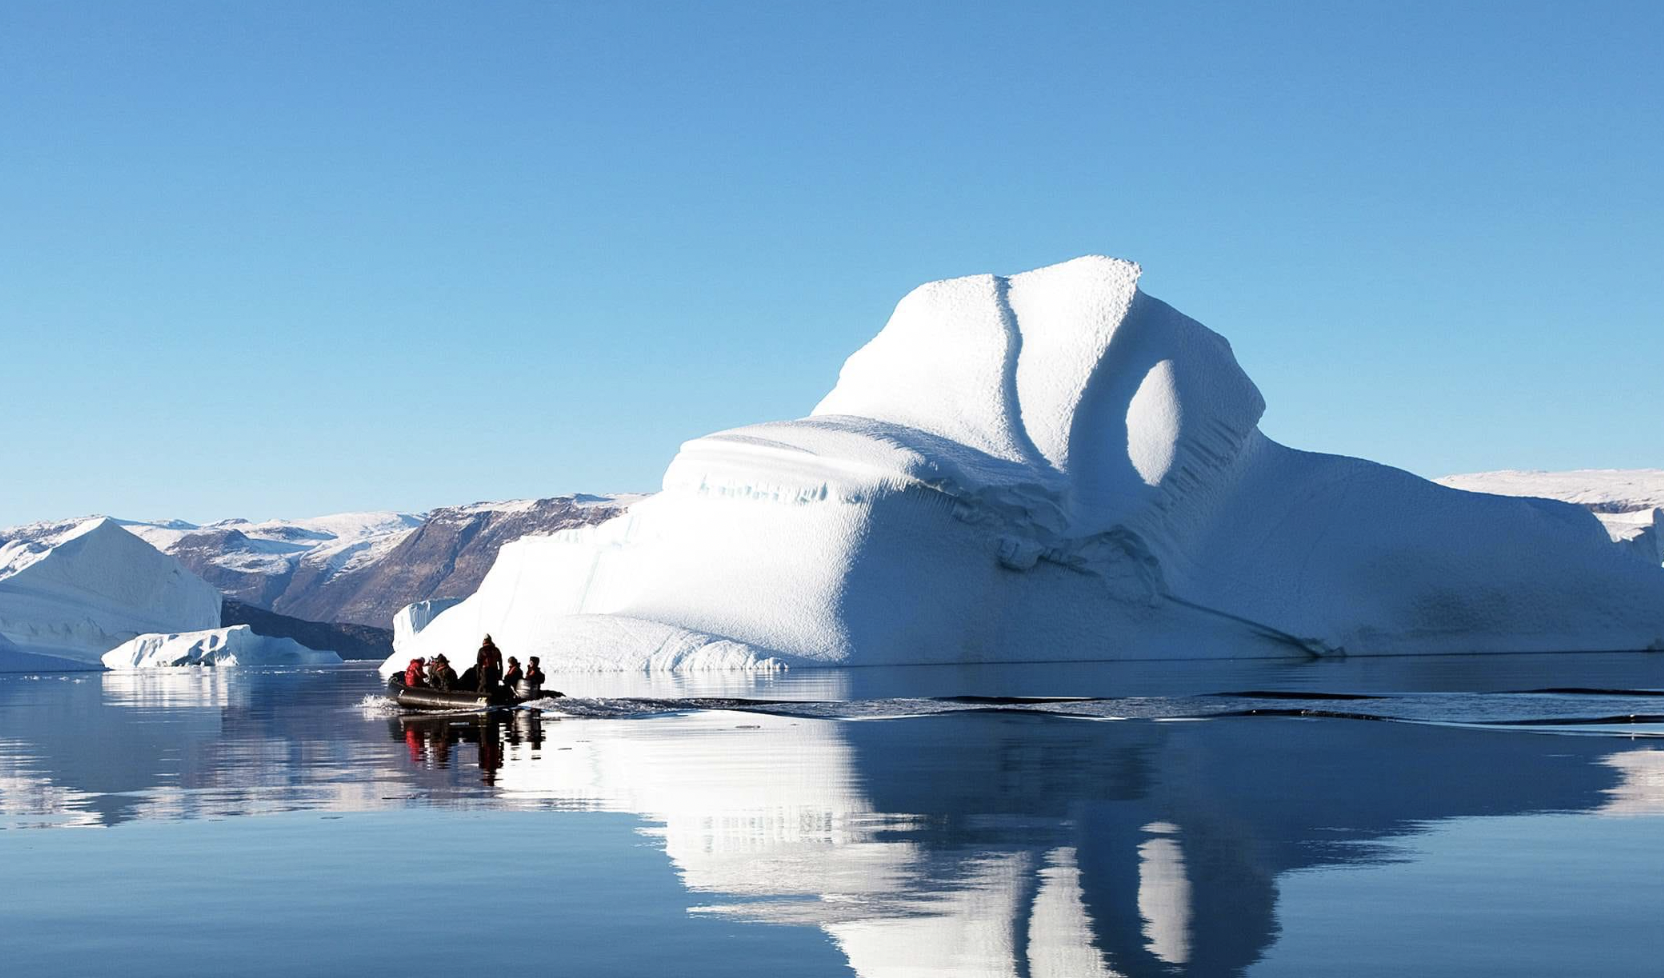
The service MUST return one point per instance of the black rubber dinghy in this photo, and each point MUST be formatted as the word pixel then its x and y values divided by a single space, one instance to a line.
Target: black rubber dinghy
pixel 425 698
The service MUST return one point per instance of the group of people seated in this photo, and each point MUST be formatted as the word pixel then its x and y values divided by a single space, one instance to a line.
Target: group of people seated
pixel 484 676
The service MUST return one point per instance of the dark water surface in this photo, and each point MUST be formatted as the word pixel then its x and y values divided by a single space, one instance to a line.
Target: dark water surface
pixel 1453 816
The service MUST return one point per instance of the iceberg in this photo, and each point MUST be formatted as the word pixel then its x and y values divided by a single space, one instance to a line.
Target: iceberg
pixel 1628 502
pixel 1051 465
pixel 414 617
pixel 233 646
pixel 76 589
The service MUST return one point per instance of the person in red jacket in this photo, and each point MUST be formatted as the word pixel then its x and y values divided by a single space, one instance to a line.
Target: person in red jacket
pixel 413 677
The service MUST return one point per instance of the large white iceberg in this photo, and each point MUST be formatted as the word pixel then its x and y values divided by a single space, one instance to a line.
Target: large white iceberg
pixel 77 589
pixel 233 646
pixel 1052 465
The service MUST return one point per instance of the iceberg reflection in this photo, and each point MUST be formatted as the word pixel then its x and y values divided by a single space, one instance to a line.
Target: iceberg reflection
pixel 985 844
pixel 970 843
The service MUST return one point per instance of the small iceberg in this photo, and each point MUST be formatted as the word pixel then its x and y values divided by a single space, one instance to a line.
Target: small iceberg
pixel 233 646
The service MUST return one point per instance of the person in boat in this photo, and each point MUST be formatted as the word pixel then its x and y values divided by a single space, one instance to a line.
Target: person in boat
pixel 413 677
pixel 512 675
pixel 534 674
pixel 488 666
pixel 441 675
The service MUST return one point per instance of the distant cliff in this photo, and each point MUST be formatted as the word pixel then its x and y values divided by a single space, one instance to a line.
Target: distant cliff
pixel 363 567
pixel 445 557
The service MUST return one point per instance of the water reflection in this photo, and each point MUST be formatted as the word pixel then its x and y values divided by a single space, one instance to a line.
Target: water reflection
pixel 1011 845
pixel 431 740
pixel 173 689
pixel 963 844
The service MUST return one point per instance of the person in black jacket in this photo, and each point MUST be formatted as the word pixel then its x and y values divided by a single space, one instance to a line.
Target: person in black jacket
pixel 488 666
pixel 513 675
pixel 441 675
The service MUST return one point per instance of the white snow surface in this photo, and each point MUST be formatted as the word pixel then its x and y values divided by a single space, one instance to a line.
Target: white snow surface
pixel 299 534
pixel 1628 502
pixel 236 645
pixel 76 589
pixel 1611 490
pixel 1051 465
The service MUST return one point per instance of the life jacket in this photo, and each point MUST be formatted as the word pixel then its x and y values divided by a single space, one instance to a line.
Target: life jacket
pixel 413 675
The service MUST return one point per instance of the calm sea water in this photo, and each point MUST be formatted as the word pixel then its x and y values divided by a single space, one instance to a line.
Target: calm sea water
pixel 1450 816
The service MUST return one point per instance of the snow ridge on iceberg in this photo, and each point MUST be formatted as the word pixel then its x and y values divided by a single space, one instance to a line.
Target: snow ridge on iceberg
pixel 1050 465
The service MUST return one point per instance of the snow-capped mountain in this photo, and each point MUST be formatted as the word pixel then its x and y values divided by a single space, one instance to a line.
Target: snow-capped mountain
pixel 1628 502
pixel 363 567
pixel 258 563
pixel 76 589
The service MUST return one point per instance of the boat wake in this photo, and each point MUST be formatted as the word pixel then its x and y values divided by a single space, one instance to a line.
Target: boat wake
pixel 1626 712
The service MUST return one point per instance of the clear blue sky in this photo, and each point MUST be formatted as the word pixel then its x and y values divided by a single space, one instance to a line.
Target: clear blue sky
pixel 292 258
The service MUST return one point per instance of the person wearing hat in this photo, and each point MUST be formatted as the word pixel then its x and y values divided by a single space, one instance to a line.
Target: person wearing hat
pixel 488 666
pixel 534 675
pixel 512 675
pixel 413 678
pixel 441 673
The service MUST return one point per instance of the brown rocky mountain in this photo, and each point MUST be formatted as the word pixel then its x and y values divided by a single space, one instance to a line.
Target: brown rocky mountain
pixel 365 578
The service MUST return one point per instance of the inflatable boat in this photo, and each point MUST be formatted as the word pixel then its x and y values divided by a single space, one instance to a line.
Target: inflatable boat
pixel 426 698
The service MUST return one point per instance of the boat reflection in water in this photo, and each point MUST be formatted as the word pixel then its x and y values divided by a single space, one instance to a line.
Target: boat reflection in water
pixel 430 739
pixel 1004 844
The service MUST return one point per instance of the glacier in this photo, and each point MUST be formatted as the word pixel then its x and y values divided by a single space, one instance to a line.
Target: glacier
pixel 1050 465
pixel 73 590
pixel 236 645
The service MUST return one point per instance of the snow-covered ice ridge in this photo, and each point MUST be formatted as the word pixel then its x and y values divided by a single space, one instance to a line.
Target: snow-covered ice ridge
pixel 1628 502
pixel 76 589
pixel 1051 465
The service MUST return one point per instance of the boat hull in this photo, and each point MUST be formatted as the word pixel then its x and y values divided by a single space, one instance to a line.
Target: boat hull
pixel 425 698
